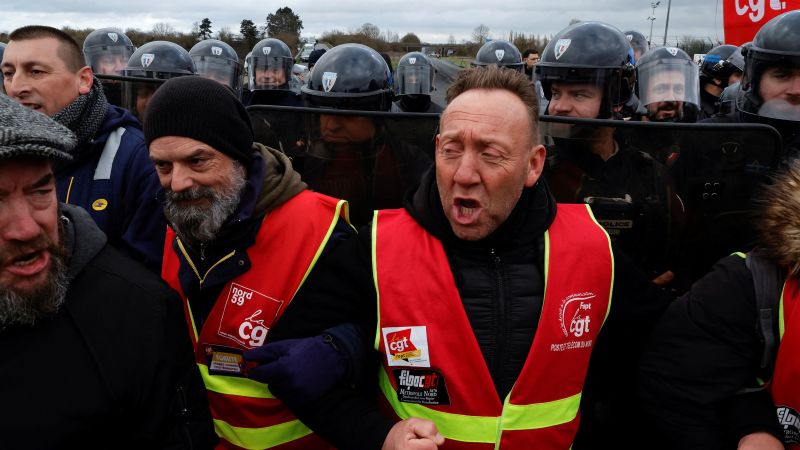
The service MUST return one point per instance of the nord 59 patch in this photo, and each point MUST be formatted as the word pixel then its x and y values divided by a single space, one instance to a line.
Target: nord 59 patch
pixel 421 386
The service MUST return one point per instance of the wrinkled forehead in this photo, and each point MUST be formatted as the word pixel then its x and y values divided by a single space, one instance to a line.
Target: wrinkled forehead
pixel 31 51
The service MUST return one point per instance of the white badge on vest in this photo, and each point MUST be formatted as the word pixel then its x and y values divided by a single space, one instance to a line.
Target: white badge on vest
pixel 406 346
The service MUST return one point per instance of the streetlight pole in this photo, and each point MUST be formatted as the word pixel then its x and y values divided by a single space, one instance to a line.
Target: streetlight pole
pixel 666 27
pixel 652 19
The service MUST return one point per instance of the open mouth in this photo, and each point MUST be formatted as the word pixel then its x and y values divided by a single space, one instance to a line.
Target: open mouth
pixel 29 263
pixel 33 106
pixel 466 210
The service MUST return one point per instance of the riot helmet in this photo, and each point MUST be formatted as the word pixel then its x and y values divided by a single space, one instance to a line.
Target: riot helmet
pixel 271 66
pixel 667 83
pixel 716 66
pixel 592 53
pixel 218 61
pixel 771 81
pixel 153 63
pixel 160 60
pixel 638 43
pixel 415 75
pixel 499 53
pixel 107 51
pixel 350 76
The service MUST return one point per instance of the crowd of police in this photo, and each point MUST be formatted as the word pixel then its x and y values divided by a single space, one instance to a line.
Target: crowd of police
pixel 670 155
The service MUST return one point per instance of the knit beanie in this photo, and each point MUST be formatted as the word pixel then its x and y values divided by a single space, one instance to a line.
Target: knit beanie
pixel 203 110
pixel 25 132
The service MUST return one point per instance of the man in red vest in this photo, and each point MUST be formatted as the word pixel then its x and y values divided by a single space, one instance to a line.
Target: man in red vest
pixel 245 235
pixel 483 299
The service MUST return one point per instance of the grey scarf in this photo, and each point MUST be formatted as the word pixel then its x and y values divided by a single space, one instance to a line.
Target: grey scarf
pixel 84 116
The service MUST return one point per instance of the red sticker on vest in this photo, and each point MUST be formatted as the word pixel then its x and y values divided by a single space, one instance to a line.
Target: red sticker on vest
pixel 248 316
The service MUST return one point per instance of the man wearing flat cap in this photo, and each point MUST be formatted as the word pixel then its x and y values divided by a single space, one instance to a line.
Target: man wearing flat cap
pixel 95 353
pixel 245 237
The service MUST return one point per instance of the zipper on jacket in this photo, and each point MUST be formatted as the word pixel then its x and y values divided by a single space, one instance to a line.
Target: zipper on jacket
pixel 502 319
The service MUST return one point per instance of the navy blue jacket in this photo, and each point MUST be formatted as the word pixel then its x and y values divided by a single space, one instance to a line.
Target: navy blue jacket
pixel 113 179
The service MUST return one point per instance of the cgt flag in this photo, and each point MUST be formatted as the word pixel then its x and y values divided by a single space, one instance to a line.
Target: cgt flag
pixel 743 18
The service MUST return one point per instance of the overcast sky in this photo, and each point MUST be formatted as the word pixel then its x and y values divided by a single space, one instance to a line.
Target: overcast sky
pixel 431 20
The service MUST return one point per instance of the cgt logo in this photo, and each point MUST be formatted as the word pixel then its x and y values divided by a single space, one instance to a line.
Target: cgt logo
pixel 406 346
pixel 400 345
pixel 757 8
pixel 575 314
pixel 253 330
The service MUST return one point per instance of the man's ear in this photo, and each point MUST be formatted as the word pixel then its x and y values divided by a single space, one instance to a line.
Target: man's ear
pixel 85 80
pixel 536 164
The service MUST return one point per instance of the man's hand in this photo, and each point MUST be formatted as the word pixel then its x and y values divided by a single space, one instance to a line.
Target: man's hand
pixel 758 441
pixel 413 434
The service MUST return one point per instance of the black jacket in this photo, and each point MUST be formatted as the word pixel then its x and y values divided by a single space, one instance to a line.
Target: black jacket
pixel 703 353
pixel 500 282
pixel 112 369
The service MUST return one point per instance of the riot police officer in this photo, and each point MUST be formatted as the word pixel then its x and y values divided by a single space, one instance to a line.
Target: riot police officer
pixel 218 61
pixel 587 72
pixel 358 157
pixel 107 51
pixel 716 73
pixel 638 43
pixel 667 84
pixel 770 86
pixel 153 63
pixel 727 100
pixel 270 74
pixel 499 53
pixel 414 82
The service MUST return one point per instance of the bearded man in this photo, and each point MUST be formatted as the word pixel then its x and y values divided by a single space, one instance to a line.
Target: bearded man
pixel 95 351
pixel 245 236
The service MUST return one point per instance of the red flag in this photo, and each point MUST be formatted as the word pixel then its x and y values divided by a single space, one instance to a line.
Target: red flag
pixel 743 18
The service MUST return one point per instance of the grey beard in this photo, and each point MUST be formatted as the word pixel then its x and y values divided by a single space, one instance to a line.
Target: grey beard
pixel 202 223
pixel 25 309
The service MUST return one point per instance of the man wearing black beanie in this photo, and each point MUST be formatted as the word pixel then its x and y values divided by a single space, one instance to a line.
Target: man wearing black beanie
pixel 244 236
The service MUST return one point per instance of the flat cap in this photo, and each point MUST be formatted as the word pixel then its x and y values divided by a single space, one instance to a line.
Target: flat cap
pixel 25 132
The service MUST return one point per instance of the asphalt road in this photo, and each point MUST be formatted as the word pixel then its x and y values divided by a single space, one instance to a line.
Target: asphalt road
pixel 445 73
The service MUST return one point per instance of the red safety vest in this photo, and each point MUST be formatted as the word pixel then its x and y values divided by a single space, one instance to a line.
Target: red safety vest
pixel 785 379
pixel 432 365
pixel 290 240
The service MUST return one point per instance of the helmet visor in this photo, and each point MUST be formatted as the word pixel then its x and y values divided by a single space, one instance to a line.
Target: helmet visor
pixel 270 73
pixel 221 70
pixel 106 60
pixel 661 82
pixel 778 92
pixel 414 80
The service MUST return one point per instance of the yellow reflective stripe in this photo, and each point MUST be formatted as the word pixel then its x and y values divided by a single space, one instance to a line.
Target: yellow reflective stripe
pixel 739 254
pixel 258 438
pixel 458 427
pixel 323 244
pixel 375 279
pixel 191 319
pixel 540 415
pixel 611 255
pixel 243 387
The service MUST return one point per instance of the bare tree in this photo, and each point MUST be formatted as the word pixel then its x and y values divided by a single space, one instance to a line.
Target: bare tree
pixel 370 30
pixel 573 21
pixel 480 33
pixel 451 40
pixel 163 31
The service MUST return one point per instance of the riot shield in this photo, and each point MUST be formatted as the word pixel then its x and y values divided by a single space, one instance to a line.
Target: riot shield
pixel 131 93
pixel 674 197
pixel 370 159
